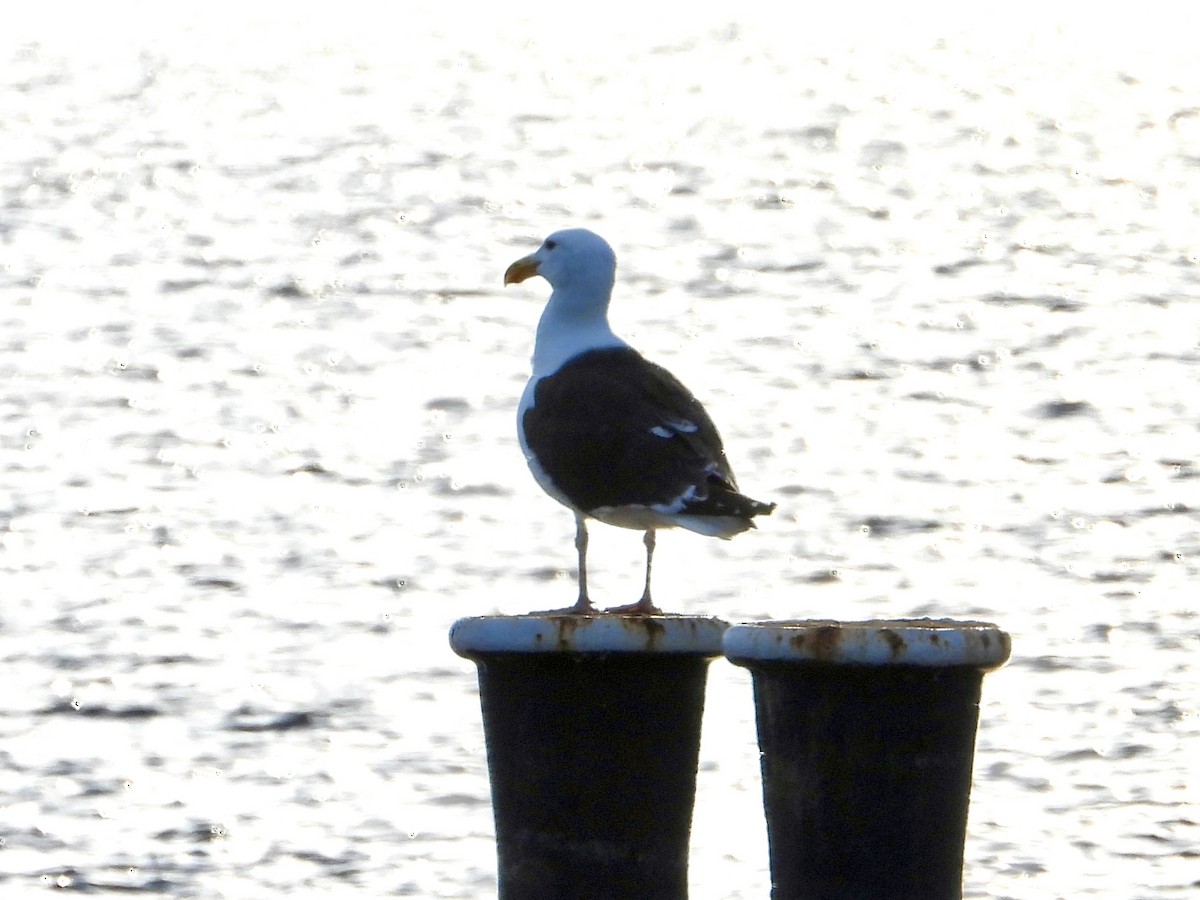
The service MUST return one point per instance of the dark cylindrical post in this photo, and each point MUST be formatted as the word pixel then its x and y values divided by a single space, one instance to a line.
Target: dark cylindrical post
pixel 592 726
pixel 867 736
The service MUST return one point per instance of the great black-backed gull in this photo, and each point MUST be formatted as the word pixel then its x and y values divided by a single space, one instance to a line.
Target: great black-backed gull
pixel 608 434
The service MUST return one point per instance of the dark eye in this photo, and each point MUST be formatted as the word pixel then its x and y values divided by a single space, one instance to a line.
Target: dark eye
pixel 550 245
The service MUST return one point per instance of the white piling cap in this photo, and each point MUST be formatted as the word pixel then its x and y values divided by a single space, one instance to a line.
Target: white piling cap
pixel 569 633
pixel 881 642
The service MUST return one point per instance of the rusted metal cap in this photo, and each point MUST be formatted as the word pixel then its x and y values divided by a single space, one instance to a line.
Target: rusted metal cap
pixel 567 633
pixel 881 642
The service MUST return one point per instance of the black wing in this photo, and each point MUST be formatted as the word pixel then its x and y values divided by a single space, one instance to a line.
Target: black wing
pixel 612 429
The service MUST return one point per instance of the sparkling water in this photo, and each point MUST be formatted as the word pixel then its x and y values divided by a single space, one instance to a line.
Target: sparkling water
pixel 935 278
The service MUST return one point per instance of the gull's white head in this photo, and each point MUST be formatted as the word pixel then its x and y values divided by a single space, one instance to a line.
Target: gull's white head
pixel 580 267
pixel 574 261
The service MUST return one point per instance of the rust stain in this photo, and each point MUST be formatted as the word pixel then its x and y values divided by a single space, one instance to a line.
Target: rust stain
pixel 820 643
pixel 647 628
pixel 895 642
pixel 650 632
pixel 565 627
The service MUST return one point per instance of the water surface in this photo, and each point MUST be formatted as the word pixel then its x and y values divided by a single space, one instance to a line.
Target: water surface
pixel 935 280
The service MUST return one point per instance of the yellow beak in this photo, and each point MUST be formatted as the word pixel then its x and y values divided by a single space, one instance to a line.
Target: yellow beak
pixel 525 267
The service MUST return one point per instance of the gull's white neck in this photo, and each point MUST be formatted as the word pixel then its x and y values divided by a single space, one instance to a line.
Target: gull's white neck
pixel 570 324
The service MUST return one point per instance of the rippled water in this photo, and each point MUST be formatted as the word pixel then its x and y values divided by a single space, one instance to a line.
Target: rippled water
pixel 937 282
